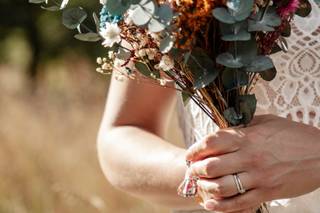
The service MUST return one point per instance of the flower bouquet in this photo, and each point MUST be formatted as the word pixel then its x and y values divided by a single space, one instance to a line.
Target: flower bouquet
pixel 214 51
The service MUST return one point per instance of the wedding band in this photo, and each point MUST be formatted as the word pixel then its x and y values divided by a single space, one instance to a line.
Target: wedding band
pixel 238 184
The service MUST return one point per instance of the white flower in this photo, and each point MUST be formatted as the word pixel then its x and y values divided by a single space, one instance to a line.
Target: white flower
pixel 156 37
pixel 111 35
pixel 166 63
pixel 103 2
pixel 151 53
pixel 141 53
pixel 111 55
pixel 99 60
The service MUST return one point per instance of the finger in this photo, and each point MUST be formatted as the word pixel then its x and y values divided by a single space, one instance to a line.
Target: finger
pixel 214 167
pixel 224 141
pixel 237 203
pixel 225 187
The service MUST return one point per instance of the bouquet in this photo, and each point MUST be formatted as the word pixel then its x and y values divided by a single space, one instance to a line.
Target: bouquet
pixel 215 51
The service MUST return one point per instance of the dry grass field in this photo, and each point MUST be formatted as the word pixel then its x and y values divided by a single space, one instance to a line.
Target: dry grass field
pixel 48 161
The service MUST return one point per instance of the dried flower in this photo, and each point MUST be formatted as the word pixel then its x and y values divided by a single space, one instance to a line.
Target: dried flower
pixel 151 53
pixel 99 60
pixel 166 63
pixel 289 9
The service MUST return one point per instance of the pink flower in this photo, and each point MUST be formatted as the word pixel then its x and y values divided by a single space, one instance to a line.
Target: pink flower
pixel 289 9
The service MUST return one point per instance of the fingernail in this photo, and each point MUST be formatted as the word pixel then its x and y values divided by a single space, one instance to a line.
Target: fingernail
pixel 210 205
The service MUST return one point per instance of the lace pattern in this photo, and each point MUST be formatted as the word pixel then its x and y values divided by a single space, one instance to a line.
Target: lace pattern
pixel 295 93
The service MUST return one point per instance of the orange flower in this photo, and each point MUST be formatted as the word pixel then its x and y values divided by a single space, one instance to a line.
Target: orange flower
pixel 194 17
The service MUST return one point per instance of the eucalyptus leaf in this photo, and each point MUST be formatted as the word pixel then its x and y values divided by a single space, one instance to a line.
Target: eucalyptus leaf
pixel 223 15
pixel 248 105
pixel 166 44
pixel 269 75
pixel 118 7
pixel 233 78
pixel 176 54
pixel 266 23
pixel 227 29
pixel 64 3
pixel 228 60
pixel 202 68
pixel 79 29
pixel 232 116
pixel 143 68
pixel 286 31
pixel 275 49
pixel 235 32
pixel 140 17
pixel 143 12
pixel 161 19
pixel 243 35
pixel 51 8
pixel 123 54
pixel 283 44
pixel 37 1
pixel 255 26
pixel 90 37
pixel 304 9
pixel 205 79
pixel 96 21
pixel 185 97
pixel 246 51
pixel 186 57
pixel 240 9
pixel 259 64
pixel 73 17
pixel 199 62
pixel 135 1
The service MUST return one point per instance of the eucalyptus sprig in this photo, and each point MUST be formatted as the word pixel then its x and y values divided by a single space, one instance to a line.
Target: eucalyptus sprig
pixel 72 18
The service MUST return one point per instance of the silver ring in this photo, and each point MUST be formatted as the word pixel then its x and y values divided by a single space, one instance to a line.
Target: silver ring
pixel 238 184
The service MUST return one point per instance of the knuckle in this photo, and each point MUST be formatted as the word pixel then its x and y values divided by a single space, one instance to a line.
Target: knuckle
pixel 207 167
pixel 219 190
pixel 210 167
pixel 207 141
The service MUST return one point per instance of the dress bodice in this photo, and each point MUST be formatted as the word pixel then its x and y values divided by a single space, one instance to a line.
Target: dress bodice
pixel 295 94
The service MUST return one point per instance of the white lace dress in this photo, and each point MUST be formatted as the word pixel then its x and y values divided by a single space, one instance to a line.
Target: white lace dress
pixel 295 94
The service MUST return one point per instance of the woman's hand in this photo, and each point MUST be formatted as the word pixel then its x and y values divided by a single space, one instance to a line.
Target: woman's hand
pixel 274 158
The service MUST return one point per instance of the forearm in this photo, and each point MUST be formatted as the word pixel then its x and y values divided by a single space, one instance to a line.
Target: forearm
pixel 143 164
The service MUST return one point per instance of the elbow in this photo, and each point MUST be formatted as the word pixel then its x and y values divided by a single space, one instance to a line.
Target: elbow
pixel 110 160
pixel 105 145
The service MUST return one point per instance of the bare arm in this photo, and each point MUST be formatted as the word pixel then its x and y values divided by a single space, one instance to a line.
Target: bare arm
pixel 132 152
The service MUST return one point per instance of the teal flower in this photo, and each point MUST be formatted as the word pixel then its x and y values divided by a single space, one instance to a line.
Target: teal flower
pixel 106 17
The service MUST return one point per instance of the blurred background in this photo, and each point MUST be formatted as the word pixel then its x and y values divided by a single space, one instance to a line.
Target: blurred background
pixel 51 103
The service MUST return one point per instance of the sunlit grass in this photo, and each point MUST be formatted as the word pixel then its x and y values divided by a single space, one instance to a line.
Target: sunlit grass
pixel 48 160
